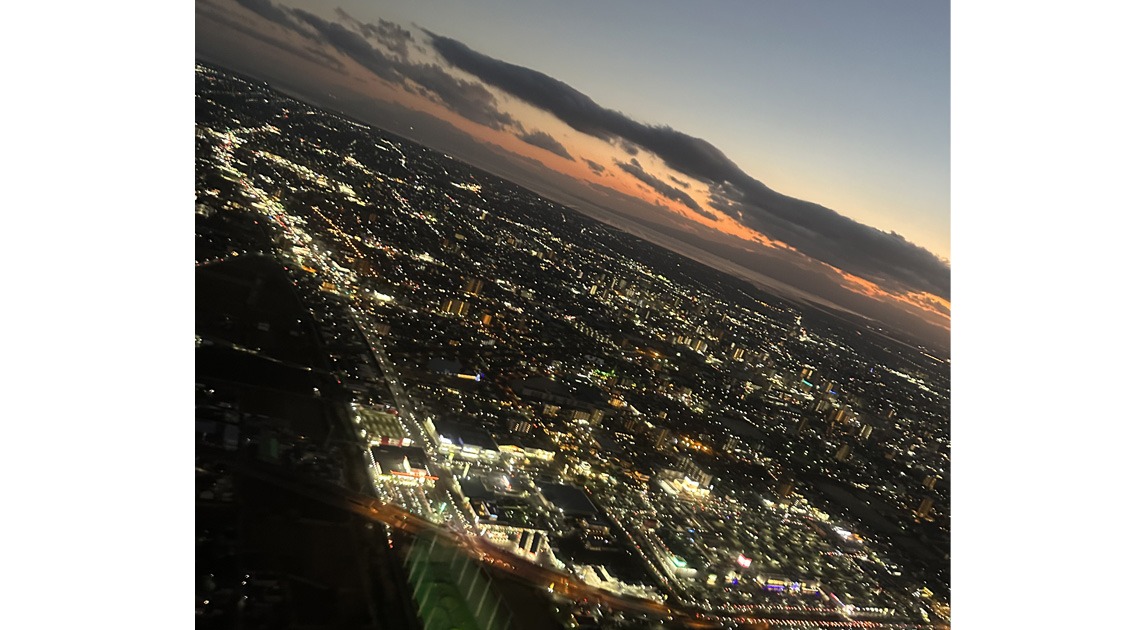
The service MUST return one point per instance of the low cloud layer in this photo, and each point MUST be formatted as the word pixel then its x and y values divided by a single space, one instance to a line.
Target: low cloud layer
pixel 633 168
pixel 266 9
pixel 470 99
pixel 822 233
pixel 596 168
pixel 546 142
pixel 395 38
pixel 313 53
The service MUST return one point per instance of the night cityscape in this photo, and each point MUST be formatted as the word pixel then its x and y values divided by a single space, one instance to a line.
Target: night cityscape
pixel 542 315
pixel 426 397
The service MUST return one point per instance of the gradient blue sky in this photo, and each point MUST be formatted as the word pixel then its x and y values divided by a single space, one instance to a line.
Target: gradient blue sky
pixel 846 104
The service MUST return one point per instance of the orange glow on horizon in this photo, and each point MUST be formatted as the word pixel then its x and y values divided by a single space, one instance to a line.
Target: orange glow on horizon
pixel 722 223
pixel 354 77
pixel 937 307
pixel 933 308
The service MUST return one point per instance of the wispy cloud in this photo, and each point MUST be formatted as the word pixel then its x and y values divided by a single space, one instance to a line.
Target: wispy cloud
pixel 392 62
pixel 633 168
pixel 596 168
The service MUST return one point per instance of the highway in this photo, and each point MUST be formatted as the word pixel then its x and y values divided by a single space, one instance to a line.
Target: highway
pixel 401 399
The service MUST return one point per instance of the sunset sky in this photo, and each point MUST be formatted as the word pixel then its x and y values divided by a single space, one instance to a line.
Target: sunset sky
pixel 804 144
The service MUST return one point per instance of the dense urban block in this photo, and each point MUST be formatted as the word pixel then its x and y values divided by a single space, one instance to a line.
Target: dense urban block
pixel 428 397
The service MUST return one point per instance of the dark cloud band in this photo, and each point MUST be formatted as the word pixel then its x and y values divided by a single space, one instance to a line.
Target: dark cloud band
pixel 822 233
pixel 468 98
pixel 546 142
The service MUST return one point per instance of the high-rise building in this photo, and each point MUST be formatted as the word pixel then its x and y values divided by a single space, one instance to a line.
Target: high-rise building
pixel 843 453
pixel 924 507
pixel 455 307
pixel 474 286
pixel 866 432
pixel 595 417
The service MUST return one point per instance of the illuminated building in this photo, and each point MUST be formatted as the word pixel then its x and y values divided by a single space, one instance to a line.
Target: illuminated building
pixel 579 416
pixel 843 453
pixel 677 485
pixel 530 543
pixel 401 464
pixel 699 345
pixel 689 468
pixel 474 286
pixel 521 447
pixel 674 564
pixel 586 398
pixel 574 506
pixel 465 441
pixel 382 427
pixel 455 307
pixel 634 424
pixel 924 507
pixel 595 417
